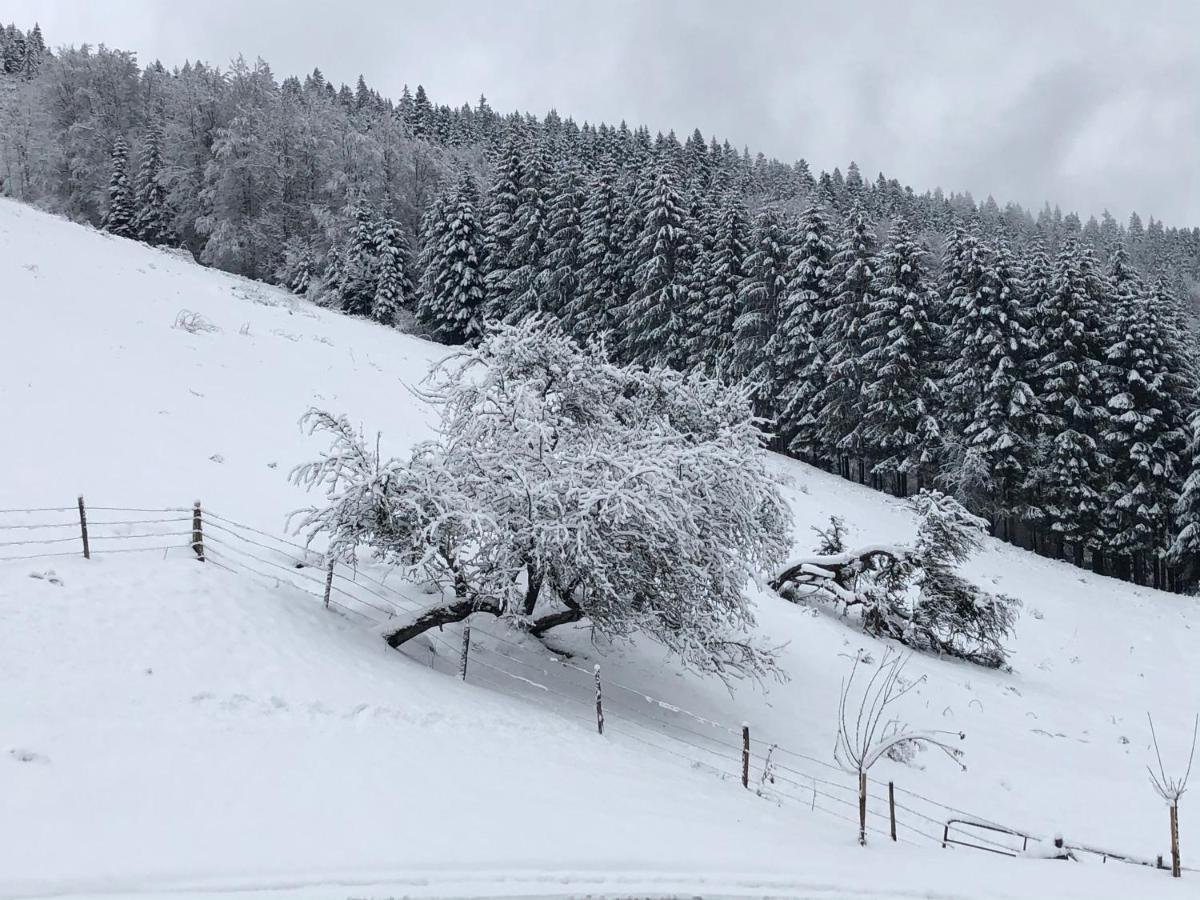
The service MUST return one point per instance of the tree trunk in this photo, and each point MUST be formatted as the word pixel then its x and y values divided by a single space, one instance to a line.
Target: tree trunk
pixel 552 620
pixel 440 615
pixel 862 809
pixel 533 587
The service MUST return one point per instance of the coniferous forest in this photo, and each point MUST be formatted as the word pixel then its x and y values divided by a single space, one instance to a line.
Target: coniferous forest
pixel 1039 368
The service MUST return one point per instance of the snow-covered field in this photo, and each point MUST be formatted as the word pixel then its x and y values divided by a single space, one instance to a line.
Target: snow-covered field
pixel 172 728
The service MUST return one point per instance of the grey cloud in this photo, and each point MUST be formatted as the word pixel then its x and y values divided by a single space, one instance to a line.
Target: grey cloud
pixel 1089 105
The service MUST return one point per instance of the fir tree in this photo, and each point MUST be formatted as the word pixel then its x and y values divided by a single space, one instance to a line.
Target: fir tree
pixel 993 397
pixel 119 218
pixel 393 278
pixel 721 271
pixel 564 245
pixel 760 296
pixel 523 292
pixel 899 422
pixel 802 363
pixel 1072 391
pixel 654 315
pixel 501 225
pixel 592 313
pixel 840 400
pixel 153 220
pixel 1145 431
pixel 452 284
pixel 356 288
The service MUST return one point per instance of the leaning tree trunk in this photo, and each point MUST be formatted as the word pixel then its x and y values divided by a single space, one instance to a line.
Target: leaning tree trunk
pixel 439 615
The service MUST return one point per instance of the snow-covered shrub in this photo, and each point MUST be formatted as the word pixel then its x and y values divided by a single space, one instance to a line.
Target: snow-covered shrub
pixel 913 593
pixel 193 323
pixel 565 487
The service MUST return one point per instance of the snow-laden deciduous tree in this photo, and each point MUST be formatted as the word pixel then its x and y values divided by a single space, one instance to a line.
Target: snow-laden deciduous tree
pixel 564 487
pixel 912 593
pixel 868 728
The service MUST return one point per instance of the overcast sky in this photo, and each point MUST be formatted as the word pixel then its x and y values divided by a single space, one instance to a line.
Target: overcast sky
pixel 1090 105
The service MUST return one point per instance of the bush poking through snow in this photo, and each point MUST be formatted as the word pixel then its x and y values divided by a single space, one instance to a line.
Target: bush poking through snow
pixel 565 487
pixel 912 593
pixel 193 323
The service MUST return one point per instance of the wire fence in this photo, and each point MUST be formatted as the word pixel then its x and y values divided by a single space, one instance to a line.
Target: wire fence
pixel 771 771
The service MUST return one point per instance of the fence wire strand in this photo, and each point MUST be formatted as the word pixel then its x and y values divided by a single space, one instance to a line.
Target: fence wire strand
pixel 225 545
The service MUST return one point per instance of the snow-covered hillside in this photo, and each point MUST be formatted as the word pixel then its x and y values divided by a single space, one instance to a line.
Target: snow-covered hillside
pixel 167 727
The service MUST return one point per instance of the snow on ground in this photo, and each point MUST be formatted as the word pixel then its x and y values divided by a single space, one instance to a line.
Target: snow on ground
pixel 171 728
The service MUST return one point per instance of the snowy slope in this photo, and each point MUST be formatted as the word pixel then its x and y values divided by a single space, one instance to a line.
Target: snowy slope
pixel 171 727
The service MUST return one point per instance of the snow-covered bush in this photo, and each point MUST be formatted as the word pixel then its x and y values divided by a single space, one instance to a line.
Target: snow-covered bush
pixel 565 487
pixel 912 593
pixel 193 323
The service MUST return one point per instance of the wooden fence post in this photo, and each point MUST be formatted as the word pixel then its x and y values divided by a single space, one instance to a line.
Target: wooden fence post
pixel 87 552
pixel 746 754
pixel 197 532
pixel 328 581
pixel 466 649
pixel 892 807
pixel 599 703
pixel 1175 868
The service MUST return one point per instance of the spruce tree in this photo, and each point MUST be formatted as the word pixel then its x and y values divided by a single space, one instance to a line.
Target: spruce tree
pixel 899 405
pixel 1070 374
pixel 119 219
pixel 654 315
pixel 760 296
pixel 840 400
pixel 357 273
pixel 1145 433
pixel 592 312
pixel 393 272
pixel 153 220
pixel 996 403
pixel 523 292
pixel 564 244
pixel 721 271
pixel 452 296
pixel 802 363
pixel 500 227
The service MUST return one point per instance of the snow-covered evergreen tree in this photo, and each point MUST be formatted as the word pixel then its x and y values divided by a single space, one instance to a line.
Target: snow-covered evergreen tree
pixel 393 272
pixel 998 410
pixel 592 311
pixel 655 314
pixel 840 400
pixel 119 219
pixel 153 220
pixel 453 292
pixel 720 272
pixel 357 270
pixel 802 363
pixel 1145 431
pixel 1070 374
pixel 522 290
pixel 900 397
pixel 755 345
pixel 500 225
pixel 564 244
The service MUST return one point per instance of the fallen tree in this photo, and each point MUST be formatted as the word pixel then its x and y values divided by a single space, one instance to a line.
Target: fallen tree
pixel 563 487
pixel 910 593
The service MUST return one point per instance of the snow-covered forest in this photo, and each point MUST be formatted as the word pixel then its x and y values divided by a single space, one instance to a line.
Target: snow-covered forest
pixel 1037 367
